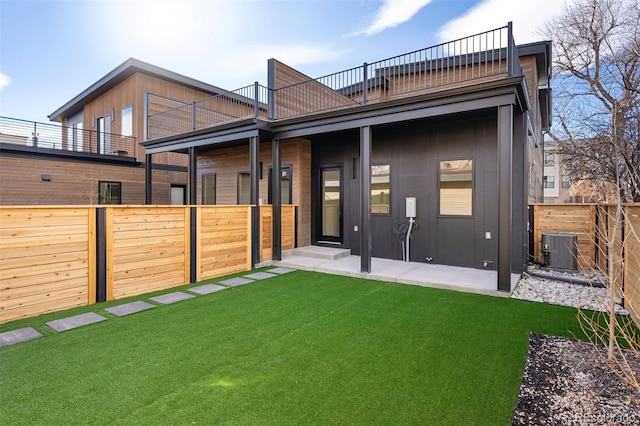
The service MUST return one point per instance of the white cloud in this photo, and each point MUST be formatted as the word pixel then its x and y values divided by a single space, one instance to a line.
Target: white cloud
pixel 5 81
pixel 527 17
pixel 392 13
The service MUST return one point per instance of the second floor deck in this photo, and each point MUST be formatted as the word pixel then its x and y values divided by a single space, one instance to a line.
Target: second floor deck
pixel 487 56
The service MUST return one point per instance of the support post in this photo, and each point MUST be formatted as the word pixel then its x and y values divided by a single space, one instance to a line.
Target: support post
pixel 193 176
pixel 193 115
pixel 271 87
pixel 505 147
pixel 365 89
pixel 365 199
pixel 148 179
pixel 276 197
pixel 254 176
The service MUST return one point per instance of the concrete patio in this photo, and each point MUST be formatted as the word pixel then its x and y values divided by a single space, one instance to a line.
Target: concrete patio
pixel 340 262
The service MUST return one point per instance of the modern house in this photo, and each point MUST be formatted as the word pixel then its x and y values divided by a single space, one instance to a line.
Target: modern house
pixel 95 156
pixel 449 136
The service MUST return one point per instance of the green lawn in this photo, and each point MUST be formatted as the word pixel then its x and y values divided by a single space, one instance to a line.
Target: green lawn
pixel 302 348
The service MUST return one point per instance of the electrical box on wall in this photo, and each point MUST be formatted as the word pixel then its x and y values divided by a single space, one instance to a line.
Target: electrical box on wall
pixel 411 207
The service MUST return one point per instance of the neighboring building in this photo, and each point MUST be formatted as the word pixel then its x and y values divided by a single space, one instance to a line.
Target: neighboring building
pixel 95 157
pixel 461 132
pixel 556 181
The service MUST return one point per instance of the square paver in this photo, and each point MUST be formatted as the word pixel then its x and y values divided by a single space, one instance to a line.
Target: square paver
pixel 280 270
pixel 129 308
pixel 259 276
pixel 17 336
pixel 75 321
pixel 167 299
pixel 207 289
pixel 232 282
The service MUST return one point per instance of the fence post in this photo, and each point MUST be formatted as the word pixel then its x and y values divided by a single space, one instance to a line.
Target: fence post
pixel 193 244
pixel 101 255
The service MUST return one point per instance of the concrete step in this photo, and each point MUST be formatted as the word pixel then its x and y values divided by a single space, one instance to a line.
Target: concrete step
pixel 317 252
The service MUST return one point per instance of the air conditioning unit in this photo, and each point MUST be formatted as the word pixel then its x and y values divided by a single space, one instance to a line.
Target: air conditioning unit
pixel 560 250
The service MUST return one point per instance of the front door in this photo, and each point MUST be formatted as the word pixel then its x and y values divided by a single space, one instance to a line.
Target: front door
pixel 329 205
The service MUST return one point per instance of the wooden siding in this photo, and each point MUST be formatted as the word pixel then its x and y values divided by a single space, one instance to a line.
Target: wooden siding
pixel 227 162
pixel 76 182
pixel 224 240
pixel 576 219
pixel 47 260
pixel 147 249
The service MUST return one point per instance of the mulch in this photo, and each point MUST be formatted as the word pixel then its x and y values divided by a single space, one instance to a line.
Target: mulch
pixel 567 382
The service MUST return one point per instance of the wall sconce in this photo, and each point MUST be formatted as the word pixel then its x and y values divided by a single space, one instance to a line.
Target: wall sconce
pixel 260 171
pixel 46 178
pixel 93 121
pixel 113 114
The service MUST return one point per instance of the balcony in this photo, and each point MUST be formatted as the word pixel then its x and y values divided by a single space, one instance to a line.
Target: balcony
pixel 487 56
pixel 51 138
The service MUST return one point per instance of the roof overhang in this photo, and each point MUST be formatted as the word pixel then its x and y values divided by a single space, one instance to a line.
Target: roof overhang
pixel 542 51
pixel 121 73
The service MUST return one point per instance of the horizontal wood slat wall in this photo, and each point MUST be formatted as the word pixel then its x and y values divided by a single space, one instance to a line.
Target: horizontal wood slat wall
pixel 146 249
pixel 224 240
pixel 47 260
pixel 576 219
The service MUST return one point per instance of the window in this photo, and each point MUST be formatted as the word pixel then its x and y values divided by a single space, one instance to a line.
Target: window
pixel 74 137
pixel 285 185
pixel 109 192
pixel 566 181
pixel 127 121
pixel 549 182
pixel 178 195
pixel 548 200
pixel 104 134
pixel 456 187
pixel 244 188
pixel 549 159
pixel 209 188
pixel 380 189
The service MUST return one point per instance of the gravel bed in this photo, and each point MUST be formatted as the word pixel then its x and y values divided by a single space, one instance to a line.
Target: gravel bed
pixel 566 382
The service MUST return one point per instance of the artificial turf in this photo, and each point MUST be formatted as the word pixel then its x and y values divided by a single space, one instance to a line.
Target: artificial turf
pixel 302 348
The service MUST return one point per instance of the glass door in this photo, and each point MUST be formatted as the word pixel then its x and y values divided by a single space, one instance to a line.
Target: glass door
pixel 330 205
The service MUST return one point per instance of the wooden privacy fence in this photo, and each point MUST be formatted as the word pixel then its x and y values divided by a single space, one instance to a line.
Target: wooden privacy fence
pixel 54 258
pixel 590 222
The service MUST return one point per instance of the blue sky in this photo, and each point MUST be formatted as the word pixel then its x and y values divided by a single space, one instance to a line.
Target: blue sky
pixel 51 50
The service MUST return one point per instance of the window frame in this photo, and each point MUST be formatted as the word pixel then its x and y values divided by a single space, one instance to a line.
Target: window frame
pixel 108 182
pixel 546 182
pixel 242 173
pixel 550 163
pixel 203 189
pixel 130 122
pixel 389 213
pixel 473 188
pixel 287 167
pixel 566 182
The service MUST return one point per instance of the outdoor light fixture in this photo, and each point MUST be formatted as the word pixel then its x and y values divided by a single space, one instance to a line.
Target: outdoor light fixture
pixel 113 114
pixel 93 121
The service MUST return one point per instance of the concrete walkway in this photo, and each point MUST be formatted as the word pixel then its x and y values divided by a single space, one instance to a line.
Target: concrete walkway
pixel 340 262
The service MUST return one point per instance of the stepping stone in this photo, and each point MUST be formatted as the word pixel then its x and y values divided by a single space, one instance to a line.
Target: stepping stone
pixel 232 282
pixel 207 288
pixel 167 299
pixel 129 308
pixel 17 336
pixel 260 276
pixel 75 321
pixel 280 270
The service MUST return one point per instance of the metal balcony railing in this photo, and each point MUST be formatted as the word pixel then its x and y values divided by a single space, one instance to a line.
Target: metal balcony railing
pixel 480 57
pixel 485 55
pixel 167 116
pixel 51 136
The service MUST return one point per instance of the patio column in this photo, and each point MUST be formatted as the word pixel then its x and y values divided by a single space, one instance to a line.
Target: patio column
pixel 148 177
pixel 276 198
pixel 192 176
pixel 365 199
pixel 254 176
pixel 505 148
